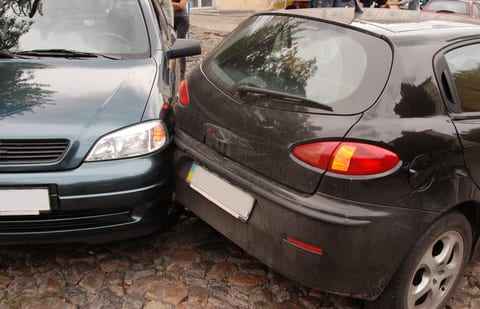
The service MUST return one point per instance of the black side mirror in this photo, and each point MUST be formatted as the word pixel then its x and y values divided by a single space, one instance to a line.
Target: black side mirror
pixel 184 48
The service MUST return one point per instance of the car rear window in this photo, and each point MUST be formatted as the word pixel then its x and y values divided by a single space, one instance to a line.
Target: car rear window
pixel 328 64
pixel 449 6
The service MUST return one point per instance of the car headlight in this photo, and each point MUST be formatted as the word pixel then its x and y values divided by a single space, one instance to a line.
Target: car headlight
pixel 133 141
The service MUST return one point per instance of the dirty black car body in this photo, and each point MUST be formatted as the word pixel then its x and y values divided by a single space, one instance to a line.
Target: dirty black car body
pixel 85 127
pixel 340 149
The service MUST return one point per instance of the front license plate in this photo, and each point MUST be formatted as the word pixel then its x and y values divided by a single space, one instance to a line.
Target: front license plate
pixel 28 201
pixel 233 200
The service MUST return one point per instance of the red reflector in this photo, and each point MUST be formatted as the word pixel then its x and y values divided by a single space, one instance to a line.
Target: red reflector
pixel 302 245
pixel 347 158
pixel 165 110
pixel 183 93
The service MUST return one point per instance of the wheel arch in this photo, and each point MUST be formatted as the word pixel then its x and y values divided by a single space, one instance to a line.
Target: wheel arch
pixel 471 211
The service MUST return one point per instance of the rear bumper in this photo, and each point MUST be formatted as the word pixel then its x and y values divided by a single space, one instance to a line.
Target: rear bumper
pixel 363 245
pixel 97 202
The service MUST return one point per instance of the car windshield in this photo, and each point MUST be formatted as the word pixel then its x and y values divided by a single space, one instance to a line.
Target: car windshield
pixel 111 27
pixel 302 57
pixel 449 6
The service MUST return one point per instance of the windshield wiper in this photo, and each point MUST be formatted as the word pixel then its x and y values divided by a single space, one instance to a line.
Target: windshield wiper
pixel 244 90
pixel 5 55
pixel 64 53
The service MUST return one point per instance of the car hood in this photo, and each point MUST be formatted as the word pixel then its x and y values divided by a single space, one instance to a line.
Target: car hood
pixel 76 100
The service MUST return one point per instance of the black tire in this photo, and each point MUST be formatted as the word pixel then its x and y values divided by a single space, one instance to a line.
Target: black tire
pixel 432 269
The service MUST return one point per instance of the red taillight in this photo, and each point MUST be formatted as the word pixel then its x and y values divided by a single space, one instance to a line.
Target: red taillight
pixel 347 158
pixel 183 93
pixel 303 245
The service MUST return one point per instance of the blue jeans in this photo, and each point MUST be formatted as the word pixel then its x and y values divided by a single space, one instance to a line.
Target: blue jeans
pixel 181 26
pixel 313 3
pixel 414 5
pixel 334 3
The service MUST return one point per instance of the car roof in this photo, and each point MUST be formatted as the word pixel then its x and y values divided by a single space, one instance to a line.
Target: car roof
pixel 395 24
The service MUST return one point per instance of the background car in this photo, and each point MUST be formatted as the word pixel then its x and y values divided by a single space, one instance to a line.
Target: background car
pixel 85 127
pixel 341 149
pixel 461 7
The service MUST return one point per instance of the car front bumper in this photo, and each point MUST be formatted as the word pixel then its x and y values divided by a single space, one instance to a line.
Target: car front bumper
pixel 94 203
pixel 361 245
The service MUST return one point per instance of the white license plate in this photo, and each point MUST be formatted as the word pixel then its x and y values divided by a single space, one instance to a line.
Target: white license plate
pixel 20 201
pixel 233 200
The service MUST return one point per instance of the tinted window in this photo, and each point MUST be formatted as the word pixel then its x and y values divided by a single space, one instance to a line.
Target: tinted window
pixel 102 26
pixel 464 65
pixel 318 61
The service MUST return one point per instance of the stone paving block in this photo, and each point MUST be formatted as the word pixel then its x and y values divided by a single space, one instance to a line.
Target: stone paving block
pixel 92 282
pixel 49 302
pixel 4 281
pixel 167 292
pixel 247 280
pixel 221 270
pixel 132 302
pixel 158 305
pixel 197 295
pixel 50 285
pixel 112 265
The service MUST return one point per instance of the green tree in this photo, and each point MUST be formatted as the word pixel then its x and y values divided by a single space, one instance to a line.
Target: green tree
pixel 11 26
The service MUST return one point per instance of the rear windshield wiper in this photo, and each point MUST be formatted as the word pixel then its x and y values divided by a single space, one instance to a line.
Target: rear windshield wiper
pixel 448 12
pixel 64 53
pixel 244 90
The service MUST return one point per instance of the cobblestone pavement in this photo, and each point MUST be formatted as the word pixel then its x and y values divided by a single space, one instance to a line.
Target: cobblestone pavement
pixel 189 266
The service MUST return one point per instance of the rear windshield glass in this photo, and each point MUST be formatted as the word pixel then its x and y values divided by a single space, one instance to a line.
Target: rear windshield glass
pixel 449 6
pixel 321 62
pixel 94 26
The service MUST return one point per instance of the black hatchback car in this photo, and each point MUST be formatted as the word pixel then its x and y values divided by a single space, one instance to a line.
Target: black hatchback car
pixel 341 149
pixel 85 128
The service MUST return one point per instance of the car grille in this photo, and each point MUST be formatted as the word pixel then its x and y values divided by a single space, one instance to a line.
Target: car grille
pixel 62 222
pixel 31 151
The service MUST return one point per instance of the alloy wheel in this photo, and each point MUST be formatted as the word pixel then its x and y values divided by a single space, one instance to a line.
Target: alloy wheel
pixel 437 271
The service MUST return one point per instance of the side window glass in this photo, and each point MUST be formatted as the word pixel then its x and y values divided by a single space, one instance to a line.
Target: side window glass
pixel 165 33
pixel 476 10
pixel 464 65
pixel 162 22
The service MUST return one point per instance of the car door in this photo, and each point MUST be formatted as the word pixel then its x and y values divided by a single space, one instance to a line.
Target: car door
pixel 463 70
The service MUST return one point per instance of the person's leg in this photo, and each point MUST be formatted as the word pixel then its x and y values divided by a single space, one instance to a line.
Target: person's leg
pixel 414 5
pixel 327 3
pixel 182 23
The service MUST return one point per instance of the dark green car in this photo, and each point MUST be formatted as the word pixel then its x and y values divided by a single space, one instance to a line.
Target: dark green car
pixel 85 128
